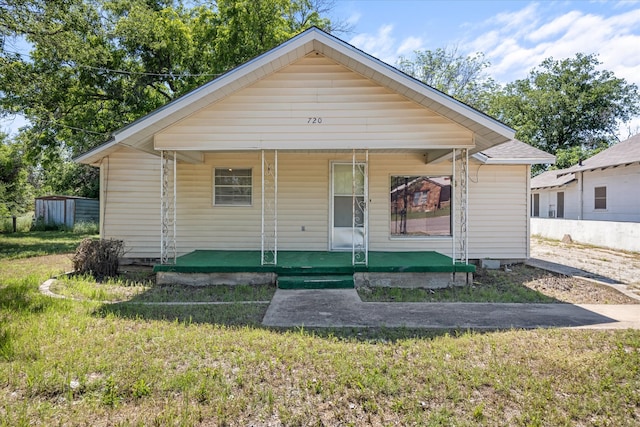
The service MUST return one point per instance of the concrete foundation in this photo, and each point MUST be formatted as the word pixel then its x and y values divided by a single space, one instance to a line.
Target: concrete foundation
pixel 412 280
pixel 398 280
pixel 212 279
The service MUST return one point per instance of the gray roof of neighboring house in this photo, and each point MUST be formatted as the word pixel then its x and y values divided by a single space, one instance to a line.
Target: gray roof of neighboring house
pixel 514 152
pixel 622 153
pixel 552 178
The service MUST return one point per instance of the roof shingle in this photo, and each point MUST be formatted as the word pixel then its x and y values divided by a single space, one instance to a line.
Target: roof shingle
pixel 622 153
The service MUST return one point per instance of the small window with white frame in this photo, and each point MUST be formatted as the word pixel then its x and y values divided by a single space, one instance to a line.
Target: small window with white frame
pixel 232 187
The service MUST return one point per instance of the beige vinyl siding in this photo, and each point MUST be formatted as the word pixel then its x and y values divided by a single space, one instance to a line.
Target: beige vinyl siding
pixel 498 202
pixel 275 112
pixel 132 209
pixel 303 201
pixel 304 193
pixel 303 188
pixel 131 201
pixel 200 224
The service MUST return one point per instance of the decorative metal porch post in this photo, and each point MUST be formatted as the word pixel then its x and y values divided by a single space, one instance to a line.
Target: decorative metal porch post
pixel 360 213
pixel 168 198
pixel 269 233
pixel 461 205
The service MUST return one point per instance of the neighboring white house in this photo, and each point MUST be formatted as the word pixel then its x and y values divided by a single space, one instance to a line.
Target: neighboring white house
pixel 302 149
pixel 605 187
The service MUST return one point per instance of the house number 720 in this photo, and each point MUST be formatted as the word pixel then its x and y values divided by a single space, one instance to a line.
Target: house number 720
pixel 314 120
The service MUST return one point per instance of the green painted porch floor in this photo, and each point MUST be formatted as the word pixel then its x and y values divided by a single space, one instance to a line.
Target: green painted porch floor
pixel 300 263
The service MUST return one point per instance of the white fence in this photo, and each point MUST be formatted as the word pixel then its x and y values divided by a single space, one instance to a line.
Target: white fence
pixel 609 234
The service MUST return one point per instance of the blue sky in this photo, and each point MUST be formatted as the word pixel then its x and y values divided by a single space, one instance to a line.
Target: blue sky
pixel 515 36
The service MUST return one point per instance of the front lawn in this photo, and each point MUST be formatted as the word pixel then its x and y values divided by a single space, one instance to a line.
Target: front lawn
pixel 64 362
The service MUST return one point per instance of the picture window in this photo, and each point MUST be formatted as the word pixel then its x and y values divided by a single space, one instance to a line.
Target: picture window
pixel 420 206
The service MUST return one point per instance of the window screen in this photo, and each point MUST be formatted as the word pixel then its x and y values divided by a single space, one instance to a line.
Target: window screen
pixel 560 200
pixel 232 187
pixel 600 197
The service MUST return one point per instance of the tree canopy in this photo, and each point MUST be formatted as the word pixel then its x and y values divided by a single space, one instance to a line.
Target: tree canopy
pixel 567 107
pixel 96 65
pixel 462 77
pixel 16 192
pixel 78 70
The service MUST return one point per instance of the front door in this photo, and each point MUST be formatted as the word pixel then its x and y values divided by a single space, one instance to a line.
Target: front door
pixel 348 206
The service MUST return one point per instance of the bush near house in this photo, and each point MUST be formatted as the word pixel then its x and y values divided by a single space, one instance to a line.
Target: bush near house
pixel 98 257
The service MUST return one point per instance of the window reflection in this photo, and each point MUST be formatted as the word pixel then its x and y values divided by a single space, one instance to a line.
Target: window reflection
pixel 420 206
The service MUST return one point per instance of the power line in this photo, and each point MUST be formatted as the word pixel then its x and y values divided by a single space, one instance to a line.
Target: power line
pixel 143 73
pixel 132 73
pixel 78 129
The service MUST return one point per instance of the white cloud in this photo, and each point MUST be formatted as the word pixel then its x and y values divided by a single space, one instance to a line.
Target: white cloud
pixel 354 18
pixel 409 45
pixel 519 41
pixel 380 45
pixel 517 23
pixel 515 43
pixel 554 27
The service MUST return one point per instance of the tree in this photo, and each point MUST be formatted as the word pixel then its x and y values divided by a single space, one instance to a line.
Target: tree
pixel 566 104
pixel 16 193
pixel 94 66
pixel 462 77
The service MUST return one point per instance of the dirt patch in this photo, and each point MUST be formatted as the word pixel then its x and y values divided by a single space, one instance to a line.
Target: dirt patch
pixel 577 291
pixel 600 263
pixel 623 267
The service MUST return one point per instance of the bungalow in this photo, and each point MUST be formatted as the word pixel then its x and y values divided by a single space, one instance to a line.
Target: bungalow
pixel 306 149
pixel 603 187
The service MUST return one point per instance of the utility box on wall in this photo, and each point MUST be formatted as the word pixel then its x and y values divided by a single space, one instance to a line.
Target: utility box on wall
pixel 66 210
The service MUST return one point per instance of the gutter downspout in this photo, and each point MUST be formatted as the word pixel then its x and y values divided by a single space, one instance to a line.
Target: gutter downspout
pixel 528 204
pixel 581 195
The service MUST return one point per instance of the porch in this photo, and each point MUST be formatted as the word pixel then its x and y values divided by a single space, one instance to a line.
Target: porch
pixel 316 269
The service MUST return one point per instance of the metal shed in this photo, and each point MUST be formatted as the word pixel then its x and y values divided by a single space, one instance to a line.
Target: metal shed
pixel 66 210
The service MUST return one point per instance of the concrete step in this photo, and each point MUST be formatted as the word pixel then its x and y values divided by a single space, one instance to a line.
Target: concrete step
pixel 333 281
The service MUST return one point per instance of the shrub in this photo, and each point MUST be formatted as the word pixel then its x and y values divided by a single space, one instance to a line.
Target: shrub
pixel 98 257
pixel 83 227
pixel 39 224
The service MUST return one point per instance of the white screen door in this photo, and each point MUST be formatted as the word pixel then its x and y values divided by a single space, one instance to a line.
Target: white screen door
pixel 343 234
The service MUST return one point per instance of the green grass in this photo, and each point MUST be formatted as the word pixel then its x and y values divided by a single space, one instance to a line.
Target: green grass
pixel 488 286
pixel 86 288
pixel 23 223
pixel 121 289
pixel 85 363
pixel 222 293
pixel 38 243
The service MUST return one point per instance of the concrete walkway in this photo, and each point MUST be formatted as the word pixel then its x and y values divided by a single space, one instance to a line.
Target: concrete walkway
pixel 328 308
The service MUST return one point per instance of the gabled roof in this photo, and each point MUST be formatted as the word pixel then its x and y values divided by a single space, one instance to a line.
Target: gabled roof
pixel 622 153
pixel 514 152
pixel 552 178
pixel 139 134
